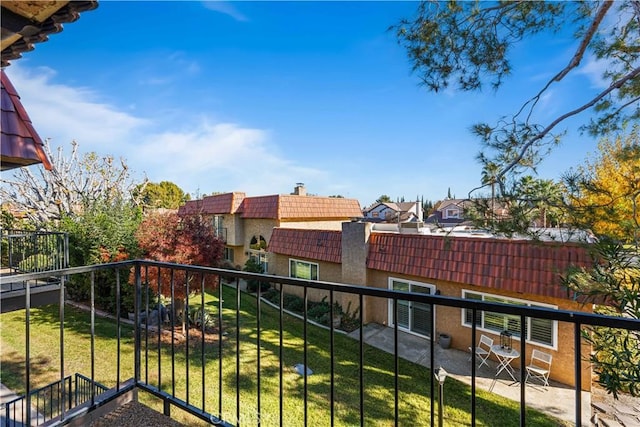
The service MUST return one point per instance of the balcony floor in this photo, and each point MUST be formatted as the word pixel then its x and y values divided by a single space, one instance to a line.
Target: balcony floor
pixel 135 414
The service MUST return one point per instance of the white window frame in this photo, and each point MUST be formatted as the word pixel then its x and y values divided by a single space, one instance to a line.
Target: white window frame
pixel 452 213
pixel 411 283
pixel 509 300
pixel 310 269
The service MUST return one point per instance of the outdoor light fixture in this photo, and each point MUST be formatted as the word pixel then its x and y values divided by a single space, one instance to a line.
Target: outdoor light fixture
pixel 506 340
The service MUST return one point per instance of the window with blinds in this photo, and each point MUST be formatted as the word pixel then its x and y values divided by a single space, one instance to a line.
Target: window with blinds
pixel 538 331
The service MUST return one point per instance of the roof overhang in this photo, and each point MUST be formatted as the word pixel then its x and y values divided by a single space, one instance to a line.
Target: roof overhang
pixel 25 23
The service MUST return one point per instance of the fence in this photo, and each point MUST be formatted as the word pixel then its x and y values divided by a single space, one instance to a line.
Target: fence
pixel 238 368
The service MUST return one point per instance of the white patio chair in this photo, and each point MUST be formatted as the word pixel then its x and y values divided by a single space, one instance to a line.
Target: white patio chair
pixel 539 367
pixel 483 350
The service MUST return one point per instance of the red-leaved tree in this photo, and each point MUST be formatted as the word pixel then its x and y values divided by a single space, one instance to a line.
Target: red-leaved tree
pixel 188 240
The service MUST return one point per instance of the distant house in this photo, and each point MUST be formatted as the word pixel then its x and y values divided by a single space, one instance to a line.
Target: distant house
pixel 245 224
pixel 519 272
pixel 448 213
pixel 394 212
pixel 451 212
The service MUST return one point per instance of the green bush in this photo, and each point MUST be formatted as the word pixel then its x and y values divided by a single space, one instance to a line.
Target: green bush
pixel 293 303
pixel 37 262
pixel 253 266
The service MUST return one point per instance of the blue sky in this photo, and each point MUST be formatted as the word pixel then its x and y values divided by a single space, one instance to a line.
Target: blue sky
pixel 256 96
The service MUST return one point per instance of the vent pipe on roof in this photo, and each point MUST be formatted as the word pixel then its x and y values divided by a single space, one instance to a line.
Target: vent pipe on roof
pixel 299 189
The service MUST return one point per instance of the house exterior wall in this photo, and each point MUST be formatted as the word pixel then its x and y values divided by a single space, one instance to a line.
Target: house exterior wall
pixel 234 226
pixel 449 320
pixel 327 272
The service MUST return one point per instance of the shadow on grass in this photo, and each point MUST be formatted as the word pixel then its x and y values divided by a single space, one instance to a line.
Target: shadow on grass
pixel 414 380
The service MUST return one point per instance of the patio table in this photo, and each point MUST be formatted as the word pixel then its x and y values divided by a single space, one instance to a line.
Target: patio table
pixel 505 357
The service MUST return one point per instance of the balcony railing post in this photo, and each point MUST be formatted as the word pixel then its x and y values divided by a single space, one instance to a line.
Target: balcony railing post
pixel 61 309
pixel 27 303
pixel 137 296
pixel 578 372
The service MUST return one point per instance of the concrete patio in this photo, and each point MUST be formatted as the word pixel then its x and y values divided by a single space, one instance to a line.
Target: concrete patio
pixel 557 399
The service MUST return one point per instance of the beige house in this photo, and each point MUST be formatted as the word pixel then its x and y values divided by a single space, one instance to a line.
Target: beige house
pixel 246 223
pixel 518 272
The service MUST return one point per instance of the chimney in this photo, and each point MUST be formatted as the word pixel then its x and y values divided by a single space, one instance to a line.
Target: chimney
pixel 299 189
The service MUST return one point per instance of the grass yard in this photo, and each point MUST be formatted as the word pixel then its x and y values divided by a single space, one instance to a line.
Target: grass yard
pixel 414 380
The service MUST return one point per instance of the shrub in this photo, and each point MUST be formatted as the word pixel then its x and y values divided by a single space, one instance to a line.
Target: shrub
pixel 199 315
pixel 293 303
pixel 37 262
pixel 253 266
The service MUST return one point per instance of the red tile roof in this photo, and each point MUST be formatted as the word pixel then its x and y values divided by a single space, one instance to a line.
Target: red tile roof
pixel 321 245
pixel 226 203
pixel 280 207
pixel 512 265
pixel 291 207
pixel 191 207
pixel 21 145
pixel 260 207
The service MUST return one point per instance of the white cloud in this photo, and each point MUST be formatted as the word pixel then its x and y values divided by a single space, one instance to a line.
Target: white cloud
pixel 594 69
pixel 208 156
pixel 64 113
pixel 226 8
pixel 220 157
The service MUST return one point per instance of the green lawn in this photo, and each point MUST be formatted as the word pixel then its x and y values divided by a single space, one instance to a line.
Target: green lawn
pixel 414 380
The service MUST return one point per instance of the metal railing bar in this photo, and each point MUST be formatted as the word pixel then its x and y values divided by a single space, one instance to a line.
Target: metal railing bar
pixel 361 355
pixel 160 325
pixel 118 329
pixel 28 349
pixel 185 321
pixel 258 345
pixel 238 305
pixel 220 302
pixel 396 362
pixel 173 334
pixel 331 359
pixel 137 296
pixel 146 323
pixel 93 335
pixel 523 385
pixel 578 371
pixel 432 368
pixel 280 358
pixel 305 356
pixel 202 355
pixel 61 315
pixel 537 312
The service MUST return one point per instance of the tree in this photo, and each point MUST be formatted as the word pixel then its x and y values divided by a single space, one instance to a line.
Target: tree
pixel 104 231
pixel 383 199
pixel 161 195
pixel 613 284
pixel 189 240
pixel 605 193
pixel 467 44
pixel 73 183
pixel 545 197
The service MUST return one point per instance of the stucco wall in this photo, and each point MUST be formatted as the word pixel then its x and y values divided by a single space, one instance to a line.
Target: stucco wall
pixel 327 272
pixel 234 226
pixel 449 320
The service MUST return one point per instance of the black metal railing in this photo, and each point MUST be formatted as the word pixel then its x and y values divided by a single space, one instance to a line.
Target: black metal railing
pixel 232 365
pixel 47 403
pixel 24 251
